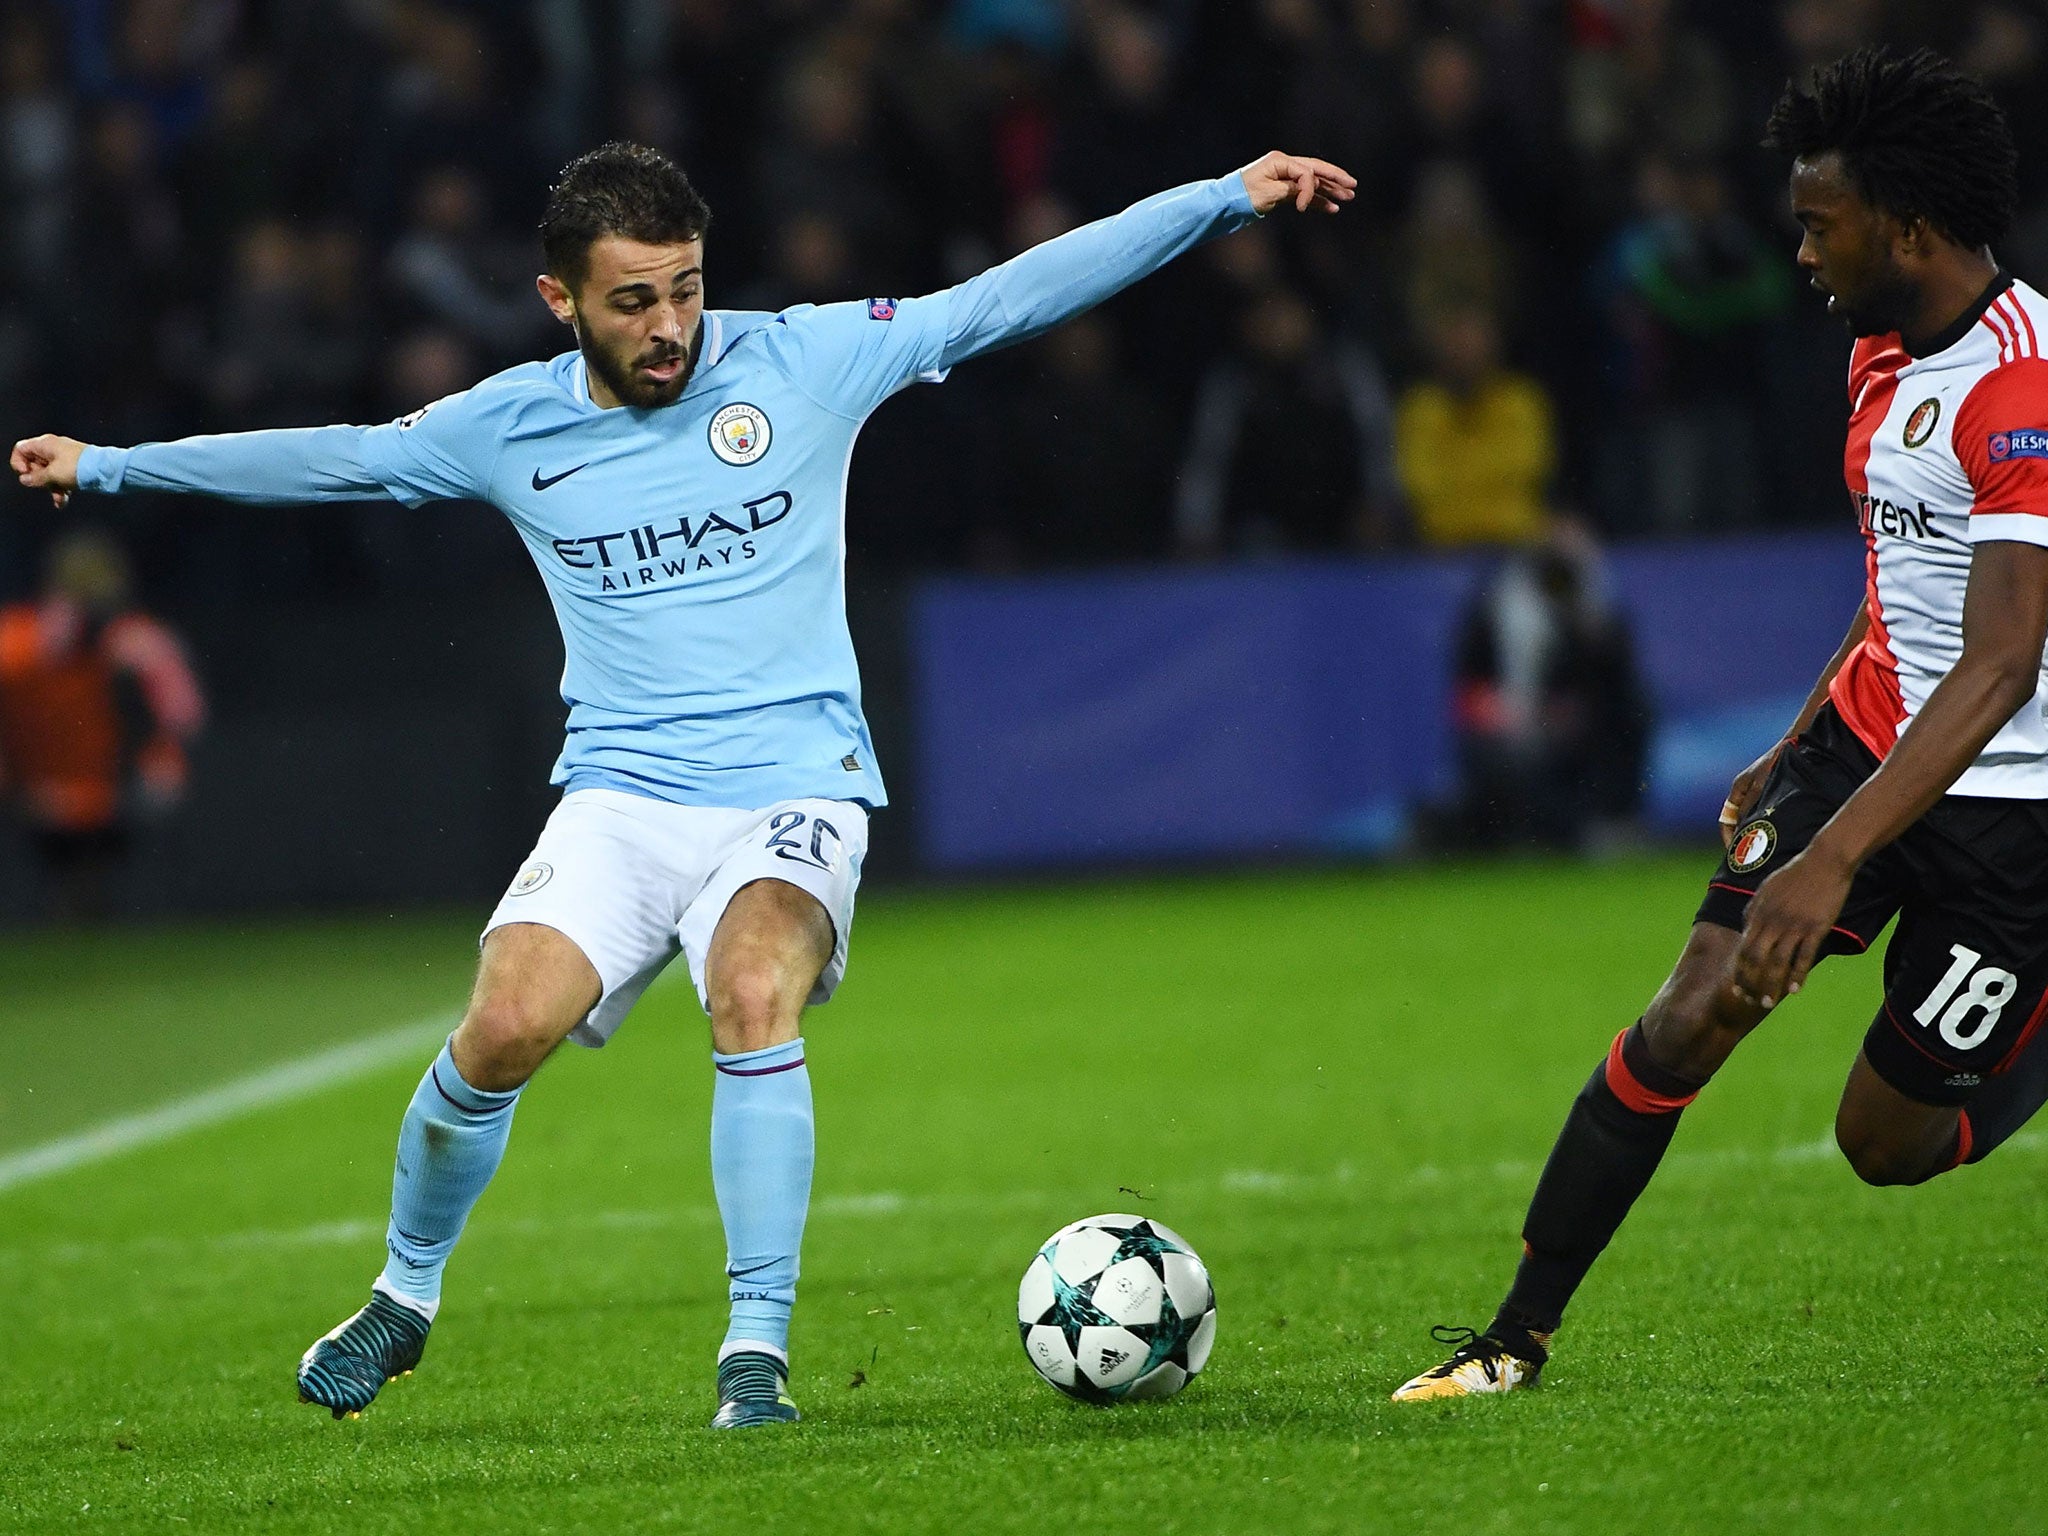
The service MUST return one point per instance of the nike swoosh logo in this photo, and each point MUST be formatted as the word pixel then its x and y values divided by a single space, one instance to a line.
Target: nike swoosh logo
pixel 540 485
pixel 741 1274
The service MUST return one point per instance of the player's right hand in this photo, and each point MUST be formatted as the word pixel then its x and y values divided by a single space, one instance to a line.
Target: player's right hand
pixel 1276 178
pixel 1742 794
pixel 48 463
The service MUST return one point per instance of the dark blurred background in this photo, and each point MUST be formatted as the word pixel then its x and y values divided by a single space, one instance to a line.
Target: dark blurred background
pixel 1561 323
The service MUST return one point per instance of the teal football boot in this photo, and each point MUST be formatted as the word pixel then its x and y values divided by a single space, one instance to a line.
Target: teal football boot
pixel 753 1388
pixel 347 1368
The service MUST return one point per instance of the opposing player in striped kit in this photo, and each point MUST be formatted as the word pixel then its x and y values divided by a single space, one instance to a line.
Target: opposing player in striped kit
pixel 1914 782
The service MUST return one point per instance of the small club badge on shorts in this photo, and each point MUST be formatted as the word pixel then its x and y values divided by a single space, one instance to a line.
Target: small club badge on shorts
pixel 532 878
pixel 1753 847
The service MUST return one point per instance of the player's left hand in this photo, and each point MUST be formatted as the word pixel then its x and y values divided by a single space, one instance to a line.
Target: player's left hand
pixel 1278 178
pixel 1790 917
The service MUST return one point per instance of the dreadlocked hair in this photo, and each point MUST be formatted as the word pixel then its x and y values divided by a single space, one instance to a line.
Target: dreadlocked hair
pixel 1918 138
pixel 617 189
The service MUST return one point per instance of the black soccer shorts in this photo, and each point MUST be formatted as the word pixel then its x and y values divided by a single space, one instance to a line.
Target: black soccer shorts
pixel 1966 974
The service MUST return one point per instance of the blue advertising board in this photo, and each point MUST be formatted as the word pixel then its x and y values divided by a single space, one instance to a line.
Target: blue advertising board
pixel 1304 707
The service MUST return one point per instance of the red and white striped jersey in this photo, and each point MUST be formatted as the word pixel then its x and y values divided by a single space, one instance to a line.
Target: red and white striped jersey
pixel 1946 451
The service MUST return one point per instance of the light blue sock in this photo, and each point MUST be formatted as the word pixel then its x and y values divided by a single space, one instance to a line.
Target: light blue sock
pixel 763 1142
pixel 449 1145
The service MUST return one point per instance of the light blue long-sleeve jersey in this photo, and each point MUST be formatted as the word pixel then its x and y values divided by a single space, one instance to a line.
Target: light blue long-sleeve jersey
pixel 695 552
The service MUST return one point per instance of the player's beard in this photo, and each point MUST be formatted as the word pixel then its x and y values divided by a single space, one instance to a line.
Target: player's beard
pixel 622 376
pixel 1883 304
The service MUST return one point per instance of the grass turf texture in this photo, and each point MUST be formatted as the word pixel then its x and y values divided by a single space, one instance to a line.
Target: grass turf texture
pixel 1338 1086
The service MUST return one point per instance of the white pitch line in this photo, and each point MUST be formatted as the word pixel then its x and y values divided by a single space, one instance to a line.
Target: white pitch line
pixel 885 1204
pixel 260 1090
pixel 358 1058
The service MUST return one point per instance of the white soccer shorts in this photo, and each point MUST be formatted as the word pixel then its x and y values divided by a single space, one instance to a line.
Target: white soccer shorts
pixel 633 881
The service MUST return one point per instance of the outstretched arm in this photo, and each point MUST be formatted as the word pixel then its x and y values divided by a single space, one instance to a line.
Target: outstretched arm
pixel 441 452
pixel 278 468
pixel 1052 282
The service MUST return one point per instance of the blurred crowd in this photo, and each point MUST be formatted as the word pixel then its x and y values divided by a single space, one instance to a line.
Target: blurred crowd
pixel 1566 289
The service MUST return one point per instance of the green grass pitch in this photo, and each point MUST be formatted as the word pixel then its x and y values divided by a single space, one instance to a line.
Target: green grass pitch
pixel 1339 1086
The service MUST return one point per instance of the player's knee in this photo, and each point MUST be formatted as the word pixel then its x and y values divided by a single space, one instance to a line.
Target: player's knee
pixel 1691 1030
pixel 502 1041
pixel 1879 1161
pixel 1696 1019
pixel 750 1007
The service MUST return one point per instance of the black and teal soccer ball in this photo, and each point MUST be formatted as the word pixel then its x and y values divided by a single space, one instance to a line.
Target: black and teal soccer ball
pixel 1117 1308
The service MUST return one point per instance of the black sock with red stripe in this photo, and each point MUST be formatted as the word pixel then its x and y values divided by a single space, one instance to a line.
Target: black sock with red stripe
pixel 1612 1141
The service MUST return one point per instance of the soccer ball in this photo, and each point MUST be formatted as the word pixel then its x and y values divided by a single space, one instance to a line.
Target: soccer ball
pixel 1117 1307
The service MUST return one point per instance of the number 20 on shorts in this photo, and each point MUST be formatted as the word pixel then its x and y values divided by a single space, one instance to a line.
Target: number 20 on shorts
pixel 784 838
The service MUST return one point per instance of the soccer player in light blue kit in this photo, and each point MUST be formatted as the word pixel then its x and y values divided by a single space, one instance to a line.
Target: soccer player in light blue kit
pixel 680 482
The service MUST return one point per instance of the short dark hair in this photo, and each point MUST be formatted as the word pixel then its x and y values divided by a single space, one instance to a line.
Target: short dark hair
pixel 617 189
pixel 1918 138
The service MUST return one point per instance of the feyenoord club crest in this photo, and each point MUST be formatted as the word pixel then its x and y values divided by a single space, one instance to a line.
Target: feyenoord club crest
pixel 1920 425
pixel 1753 846
pixel 740 433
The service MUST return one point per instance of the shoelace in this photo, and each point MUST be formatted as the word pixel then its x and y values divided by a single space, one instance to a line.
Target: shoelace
pixel 1469 1345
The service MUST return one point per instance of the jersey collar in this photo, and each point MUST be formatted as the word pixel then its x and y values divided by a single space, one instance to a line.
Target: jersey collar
pixel 710 351
pixel 1941 341
pixel 714 340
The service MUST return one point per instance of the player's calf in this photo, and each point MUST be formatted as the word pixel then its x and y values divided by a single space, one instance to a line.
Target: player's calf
pixel 1612 1141
pixel 532 986
pixel 770 946
pixel 1620 1125
pixel 1614 1137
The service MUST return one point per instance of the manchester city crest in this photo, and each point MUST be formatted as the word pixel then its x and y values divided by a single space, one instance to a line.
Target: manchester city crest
pixel 740 433
pixel 532 878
